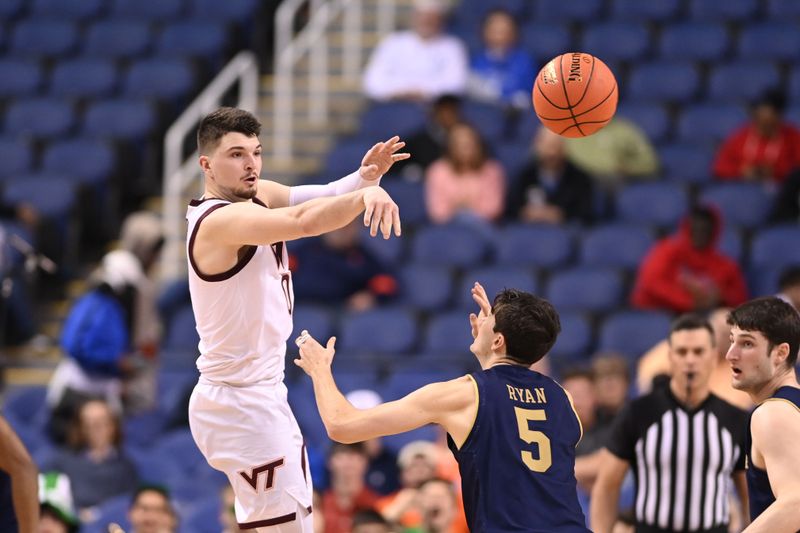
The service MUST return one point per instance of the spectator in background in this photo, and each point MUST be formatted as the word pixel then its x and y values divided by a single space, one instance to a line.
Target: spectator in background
pixel 789 287
pixel 97 340
pixel 95 462
pixel 614 155
pixel 19 504
pixel 336 268
pixel 767 149
pixel 465 183
pixel 420 64
pixel 418 462
pixel 786 204
pixel 550 189
pixel 439 507
pixel 348 492
pixel 501 72
pixel 370 522
pixel 428 144
pixel 57 512
pixel 151 511
pixel 687 272
pixel 612 382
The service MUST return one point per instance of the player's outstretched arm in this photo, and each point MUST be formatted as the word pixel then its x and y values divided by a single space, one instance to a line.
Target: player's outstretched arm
pixel 245 223
pixel 17 463
pixel 451 404
pixel 605 493
pixel 375 163
pixel 775 427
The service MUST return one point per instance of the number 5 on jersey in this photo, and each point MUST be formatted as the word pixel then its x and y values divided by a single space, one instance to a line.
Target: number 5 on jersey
pixel 524 417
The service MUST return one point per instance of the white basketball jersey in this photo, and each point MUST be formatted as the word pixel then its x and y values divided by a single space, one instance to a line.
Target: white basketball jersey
pixel 244 315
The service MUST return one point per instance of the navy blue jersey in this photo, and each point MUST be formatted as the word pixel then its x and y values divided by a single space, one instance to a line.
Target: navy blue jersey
pixel 518 462
pixel 758 487
pixel 8 520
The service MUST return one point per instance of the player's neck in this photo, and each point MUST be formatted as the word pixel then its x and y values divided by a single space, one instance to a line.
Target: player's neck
pixel 213 192
pixel 497 359
pixel 767 390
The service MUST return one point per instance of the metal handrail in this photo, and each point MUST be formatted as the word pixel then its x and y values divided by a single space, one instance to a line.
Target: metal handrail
pixel 179 173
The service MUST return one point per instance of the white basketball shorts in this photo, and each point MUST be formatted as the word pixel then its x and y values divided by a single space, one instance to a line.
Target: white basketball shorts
pixel 250 434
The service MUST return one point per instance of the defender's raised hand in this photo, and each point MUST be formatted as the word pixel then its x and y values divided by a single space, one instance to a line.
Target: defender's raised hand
pixel 380 158
pixel 480 298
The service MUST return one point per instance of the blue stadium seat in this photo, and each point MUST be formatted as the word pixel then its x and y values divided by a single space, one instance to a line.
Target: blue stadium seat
pixel 449 245
pixel 148 10
pixel 230 11
pixel 9 9
pixel 575 341
pixel 382 330
pixel 202 517
pixel 584 289
pixel 117 39
pixel 141 430
pixel 488 119
pixel 317 320
pixel 632 333
pixel 636 10
pixel 558 11
pixel 764 281
pixel 513 156
pixel 427 287
pixel 694 42
pixel 651 118
pixel 182 332
pixel 794 85
pixel 783 10
pixel 19 77
pixel 57 204
pixel 793 115
pixel 389 251
pixel 544 246
pixel 89 161
pixel 159 78
pixel 544 41
pixel 663 82
pixel 16 155
pixel 616 41
pixel 406 379
pixel 775 248
pixel 179 447
pixel 745 205
pixel 615 246
pixel 83 78
pixel 203 39
pixel 729 10
pixel 687 163
pixel 304 407
pixel 448 333
pixel 112 510
pixel 77 11
pixel 709 123
pixel 384 119
pixel 770 41
pixel 410 198
pixel 119 119
pixel 43 38
pixel 45 118
pixel 26 406
pixel 494 279
pixel 730 244
pixel 658 204
pixel 345 157
pixel 742 81
pixel 174 388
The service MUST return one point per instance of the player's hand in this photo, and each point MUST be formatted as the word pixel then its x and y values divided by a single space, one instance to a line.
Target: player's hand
pixel 313 356
pixel 485 308
pixel 381 212
pixel 380 158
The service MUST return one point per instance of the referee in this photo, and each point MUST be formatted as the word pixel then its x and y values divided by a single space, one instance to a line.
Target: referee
pixel 683 444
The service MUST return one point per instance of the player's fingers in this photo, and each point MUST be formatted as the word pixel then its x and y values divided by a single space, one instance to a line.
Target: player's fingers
pixel 396 216
pixel 376 220
pixel 395 146
pixel 387 219
pixel 368 214
pixel 331 343
pixel 400 157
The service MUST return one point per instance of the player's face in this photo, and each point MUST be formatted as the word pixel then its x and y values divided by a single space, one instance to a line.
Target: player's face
pixel 750 360
pixel 691 353
pixel 235 166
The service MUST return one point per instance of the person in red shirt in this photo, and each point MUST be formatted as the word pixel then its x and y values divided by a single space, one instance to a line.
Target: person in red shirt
pixel 686 272
pixel 348 493
pixel 766 149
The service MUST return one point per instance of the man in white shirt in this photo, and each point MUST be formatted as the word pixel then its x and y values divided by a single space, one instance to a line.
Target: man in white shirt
pixel 418 64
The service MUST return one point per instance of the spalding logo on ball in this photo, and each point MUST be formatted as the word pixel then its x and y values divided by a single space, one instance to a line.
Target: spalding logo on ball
pixel 575 95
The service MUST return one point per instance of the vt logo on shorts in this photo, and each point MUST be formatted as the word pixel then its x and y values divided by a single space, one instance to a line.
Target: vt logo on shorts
pixel 269 468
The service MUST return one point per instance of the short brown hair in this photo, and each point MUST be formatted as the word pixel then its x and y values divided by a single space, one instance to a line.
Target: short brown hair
pixel 225 120
pixel 778 321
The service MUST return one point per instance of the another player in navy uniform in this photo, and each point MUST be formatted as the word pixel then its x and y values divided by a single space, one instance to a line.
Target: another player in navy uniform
pixel 765 337
pixel 512 430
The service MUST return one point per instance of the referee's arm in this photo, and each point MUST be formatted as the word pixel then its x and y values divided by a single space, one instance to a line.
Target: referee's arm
pixel 605 493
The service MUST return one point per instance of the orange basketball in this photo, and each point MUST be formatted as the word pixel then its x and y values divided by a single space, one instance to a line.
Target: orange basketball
pixel 575 94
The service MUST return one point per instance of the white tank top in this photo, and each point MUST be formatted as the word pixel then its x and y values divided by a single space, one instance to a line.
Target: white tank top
pixel 243 315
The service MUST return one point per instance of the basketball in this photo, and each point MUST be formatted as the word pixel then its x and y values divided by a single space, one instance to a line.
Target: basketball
pixel 575 95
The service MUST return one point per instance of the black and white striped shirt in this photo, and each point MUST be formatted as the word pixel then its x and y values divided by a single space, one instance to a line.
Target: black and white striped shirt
pixel 682 460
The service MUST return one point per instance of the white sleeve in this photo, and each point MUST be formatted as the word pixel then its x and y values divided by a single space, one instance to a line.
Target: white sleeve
pixel 352 182
pixel 453 77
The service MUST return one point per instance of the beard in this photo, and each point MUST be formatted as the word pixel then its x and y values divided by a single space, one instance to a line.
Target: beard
pixel 245 193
